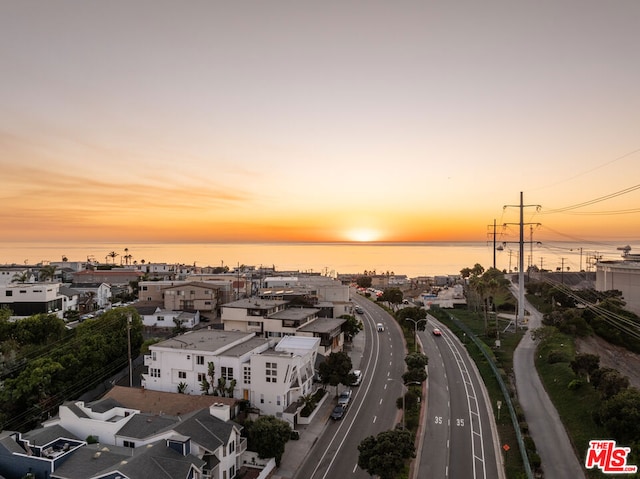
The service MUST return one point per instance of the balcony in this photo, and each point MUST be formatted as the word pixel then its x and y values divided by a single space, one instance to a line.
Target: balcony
pixel 242 445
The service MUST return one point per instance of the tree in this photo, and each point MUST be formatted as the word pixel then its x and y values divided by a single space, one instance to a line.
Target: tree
pixel 620 415
pixel 351 327
pixel 178 328
pixel 20 277
pixel 182 387
pixel 609 382
pixel 47 272
pixel 385 454
pixel 268 436
pixel 113 255
pixel 414 375
pixel 416 360
pixel 364 281
pixel 584 364
pixel 211 374
pixel 336 369
pixel 392 295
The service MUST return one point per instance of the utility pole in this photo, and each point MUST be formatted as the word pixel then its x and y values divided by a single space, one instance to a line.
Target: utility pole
pixel 129 350
pixel 520 313
pixel 494 243
pixel 541 263
pixel 562 270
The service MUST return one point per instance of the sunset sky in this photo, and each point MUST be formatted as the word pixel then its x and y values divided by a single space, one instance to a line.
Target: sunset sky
pixel 203 121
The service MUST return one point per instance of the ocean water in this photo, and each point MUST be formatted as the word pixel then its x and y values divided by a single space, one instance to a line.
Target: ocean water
pixel 412 259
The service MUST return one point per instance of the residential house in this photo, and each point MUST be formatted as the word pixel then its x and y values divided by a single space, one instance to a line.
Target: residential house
pixel 184 295
pixel 9 274
pixel 164 318
pixel 205 438
pixel 116 276
pixel 93 295
pixel 27 299
pixel 240 364
pixel 39 452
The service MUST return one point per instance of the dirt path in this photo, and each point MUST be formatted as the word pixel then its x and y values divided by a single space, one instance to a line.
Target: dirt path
pixel 611 356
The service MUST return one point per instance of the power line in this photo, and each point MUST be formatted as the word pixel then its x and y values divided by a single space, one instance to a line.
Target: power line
pixel 594 201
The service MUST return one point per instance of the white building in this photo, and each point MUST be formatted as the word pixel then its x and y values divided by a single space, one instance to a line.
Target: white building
pixel 27 299
pixel 271 376
pixel 623 276
pixel 165 318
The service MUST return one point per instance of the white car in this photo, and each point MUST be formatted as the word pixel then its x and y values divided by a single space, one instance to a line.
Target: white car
pixel 344 398
pixel 380 327
pixel 358 374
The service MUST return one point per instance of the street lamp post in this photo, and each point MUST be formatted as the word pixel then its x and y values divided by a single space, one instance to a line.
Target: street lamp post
pixel 415 331
pixel 405 389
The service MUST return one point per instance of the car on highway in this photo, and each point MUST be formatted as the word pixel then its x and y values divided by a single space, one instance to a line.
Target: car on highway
pixel 337 412
pixel 437 332
pixel 344 398
pixel 359 310
pixel 380 327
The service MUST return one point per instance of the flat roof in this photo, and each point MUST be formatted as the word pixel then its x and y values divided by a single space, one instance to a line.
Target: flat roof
pixel 204 340
pixel 255 303
pixel 297 342
pixel 295 313
pixel 323 325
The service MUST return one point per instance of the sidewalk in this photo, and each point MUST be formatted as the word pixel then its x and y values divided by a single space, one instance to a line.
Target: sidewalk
pixel 295 452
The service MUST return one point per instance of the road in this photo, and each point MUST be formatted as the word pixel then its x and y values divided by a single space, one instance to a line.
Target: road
pixel 373 405
pixel 460 441
pixel 557 456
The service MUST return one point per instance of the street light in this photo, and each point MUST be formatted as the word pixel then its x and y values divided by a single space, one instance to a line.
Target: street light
pixel 404 388
pixel 415 331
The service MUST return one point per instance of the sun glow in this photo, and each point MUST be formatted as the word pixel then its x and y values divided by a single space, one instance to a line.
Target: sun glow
pixel 363 235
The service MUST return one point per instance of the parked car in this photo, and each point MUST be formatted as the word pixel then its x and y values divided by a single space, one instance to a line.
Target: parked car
pixel 359 310
pixel 358 374
pixel 344 398
pixel 437 332
pixel 380 327
pixel 337 412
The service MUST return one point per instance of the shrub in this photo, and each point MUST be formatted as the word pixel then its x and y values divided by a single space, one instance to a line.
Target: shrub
pixel 557 356
pixel 575 384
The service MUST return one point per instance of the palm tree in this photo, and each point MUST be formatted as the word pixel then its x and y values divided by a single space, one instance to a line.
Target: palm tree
pixel 20 277
pixel 47 272
pixel 113 255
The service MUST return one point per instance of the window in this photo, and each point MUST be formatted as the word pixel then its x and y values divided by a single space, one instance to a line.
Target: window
pixel 182 374
pixel 271 372
pixel 9 293
pixel 201 377
pixel 144 288
pixel 261 398
pixel 154 372
pixel 200 360
pixel 226 373
pixel 278 400
pixel 130 444
pixel 188 357
pixel 160 318
pixel 247 374
pixel 232 446
pixel 232 471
